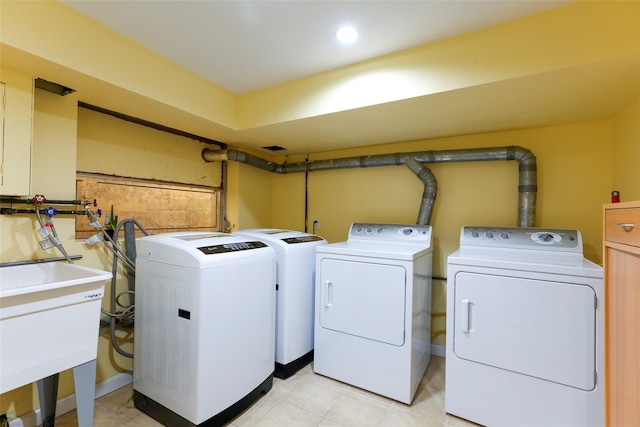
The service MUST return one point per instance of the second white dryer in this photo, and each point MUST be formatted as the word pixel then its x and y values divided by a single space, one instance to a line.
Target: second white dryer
pixel 373 308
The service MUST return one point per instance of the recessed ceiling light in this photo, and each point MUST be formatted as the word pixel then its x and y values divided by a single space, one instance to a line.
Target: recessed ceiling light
pixel 347 34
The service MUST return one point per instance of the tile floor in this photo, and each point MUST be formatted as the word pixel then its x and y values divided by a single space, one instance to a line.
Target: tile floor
pixel 305 399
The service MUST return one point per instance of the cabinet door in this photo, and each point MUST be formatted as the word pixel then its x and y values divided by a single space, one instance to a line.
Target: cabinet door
pixel 622 274
pixel 17 111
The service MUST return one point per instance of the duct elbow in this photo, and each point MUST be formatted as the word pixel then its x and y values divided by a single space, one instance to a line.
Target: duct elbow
pixel 522 155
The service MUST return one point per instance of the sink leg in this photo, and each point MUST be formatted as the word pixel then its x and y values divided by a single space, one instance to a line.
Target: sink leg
pixel 48 395
pixel 84 378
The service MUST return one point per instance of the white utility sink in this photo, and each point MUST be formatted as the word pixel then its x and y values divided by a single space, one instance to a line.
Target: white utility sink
pixel 49 320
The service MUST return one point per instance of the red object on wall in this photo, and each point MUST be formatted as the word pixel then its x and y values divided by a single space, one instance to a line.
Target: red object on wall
pixel 615 197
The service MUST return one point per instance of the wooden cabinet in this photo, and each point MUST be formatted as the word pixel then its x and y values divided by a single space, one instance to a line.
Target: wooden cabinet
pixel 622 313
pixel 16 136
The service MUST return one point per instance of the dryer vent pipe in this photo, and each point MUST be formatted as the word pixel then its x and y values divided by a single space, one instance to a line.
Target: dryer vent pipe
pixel 430 189
pixel 527 185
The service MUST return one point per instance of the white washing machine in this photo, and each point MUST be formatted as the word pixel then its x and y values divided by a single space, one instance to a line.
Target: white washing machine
pixel 524 329
pixel 295 284
pixel 204 327
pixel 373 308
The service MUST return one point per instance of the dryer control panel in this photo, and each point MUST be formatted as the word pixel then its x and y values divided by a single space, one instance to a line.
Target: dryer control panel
pixel 390 232
pixel 522 238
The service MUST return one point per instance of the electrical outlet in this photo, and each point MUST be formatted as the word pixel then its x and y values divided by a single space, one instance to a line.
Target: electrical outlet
pixel 316 224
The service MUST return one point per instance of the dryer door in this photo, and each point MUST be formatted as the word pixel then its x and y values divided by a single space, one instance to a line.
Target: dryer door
pixel 364 299
pixel 539 328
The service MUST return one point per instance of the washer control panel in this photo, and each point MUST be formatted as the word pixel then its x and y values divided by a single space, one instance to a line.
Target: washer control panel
pixel 391 232
pixel 521 237
pixel 231 247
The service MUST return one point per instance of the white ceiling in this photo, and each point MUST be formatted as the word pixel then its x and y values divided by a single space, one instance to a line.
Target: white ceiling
pixel 246 45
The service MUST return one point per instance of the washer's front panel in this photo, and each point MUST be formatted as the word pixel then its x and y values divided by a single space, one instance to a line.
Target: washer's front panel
pixel 364 299
pixel 538 328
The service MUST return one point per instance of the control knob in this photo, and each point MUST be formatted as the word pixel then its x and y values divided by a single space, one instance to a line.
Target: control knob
pixel 546 237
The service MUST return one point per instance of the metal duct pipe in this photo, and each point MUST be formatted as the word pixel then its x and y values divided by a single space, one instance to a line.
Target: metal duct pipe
pixel 527 183
pixel 430 189
pixel 210 155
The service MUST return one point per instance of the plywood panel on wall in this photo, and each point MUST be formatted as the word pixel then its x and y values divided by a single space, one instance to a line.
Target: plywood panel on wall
pixel 158 207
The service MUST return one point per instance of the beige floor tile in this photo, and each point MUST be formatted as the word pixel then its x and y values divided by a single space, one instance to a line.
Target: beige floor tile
pixel 368 395
pixel 328 382
pixel 305 370
pixel 286 415
pixel 142 420
pixel 315 396
pixel 434 377
pixel 114 418
pixel 437 362
pixel 328 423
pixel 101 418
pixel 256 411
pixel 305 399
pixel 454 421
pixel 283 387
pixel 427 403
pixel 69 419
pixel 353 410
pixel 399 417
pixel 119 403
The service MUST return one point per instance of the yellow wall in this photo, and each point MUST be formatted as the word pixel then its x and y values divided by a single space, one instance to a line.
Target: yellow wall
pixel 574 180
pixel 253 197
pixel 626 152
pixel 112 146
pixel 574 161
pixel 287 203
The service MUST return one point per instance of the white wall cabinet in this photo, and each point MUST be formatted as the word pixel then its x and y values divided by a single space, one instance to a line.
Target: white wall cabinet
pixel 16 133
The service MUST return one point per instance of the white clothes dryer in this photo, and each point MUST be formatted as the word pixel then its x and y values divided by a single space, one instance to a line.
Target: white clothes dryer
pixel 295 284
pixel 204 327
pixel 524 329
pixel 373 308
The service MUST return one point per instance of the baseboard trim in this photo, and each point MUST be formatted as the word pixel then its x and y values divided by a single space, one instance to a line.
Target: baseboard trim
pixel 438 350
pixel 68 404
